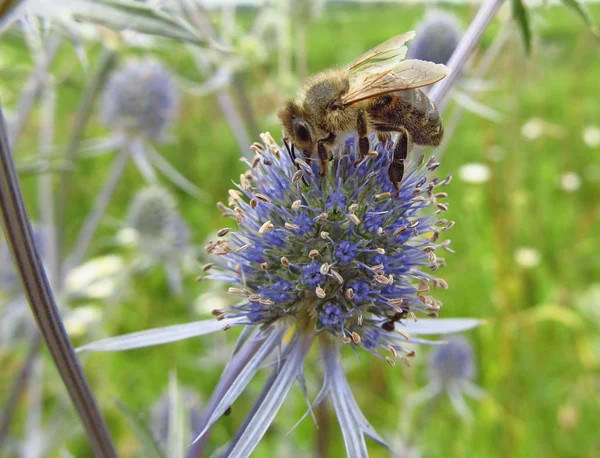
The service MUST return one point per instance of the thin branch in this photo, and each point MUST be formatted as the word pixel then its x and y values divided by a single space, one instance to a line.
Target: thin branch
pixel 45 188
pixel 93 219
pixel 106 63
pixel 470 39
pixel 18 231
pixel 32 87
pixel 241 93
pixel 19 385
pixel 484 65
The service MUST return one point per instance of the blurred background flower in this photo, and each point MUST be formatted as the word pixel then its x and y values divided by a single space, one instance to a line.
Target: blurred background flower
pixel 452 370
pixel 158 235
pixel 141 98
pixel 438 35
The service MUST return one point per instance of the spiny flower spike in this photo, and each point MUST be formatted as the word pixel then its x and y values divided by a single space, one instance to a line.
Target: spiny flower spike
pixel 344 254
pixel 343 259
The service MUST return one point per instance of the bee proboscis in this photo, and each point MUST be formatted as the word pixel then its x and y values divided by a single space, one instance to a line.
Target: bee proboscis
pixel 376 93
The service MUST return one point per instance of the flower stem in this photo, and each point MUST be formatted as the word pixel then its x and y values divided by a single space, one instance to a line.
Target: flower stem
pixel 93 219
pixel 17 227
pixel 32 87
pixel 484 65
pixel 484 16
pixel 19 385
pixel 84 111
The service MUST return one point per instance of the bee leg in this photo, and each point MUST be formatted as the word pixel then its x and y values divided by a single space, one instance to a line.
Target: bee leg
pixel 323 157
pixel 363 140
pixel 401 149
pixel 324 152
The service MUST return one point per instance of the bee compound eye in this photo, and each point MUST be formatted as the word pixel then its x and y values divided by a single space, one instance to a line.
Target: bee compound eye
pixel 302 132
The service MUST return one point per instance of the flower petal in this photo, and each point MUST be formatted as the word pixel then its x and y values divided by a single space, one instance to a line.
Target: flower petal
pixel 353 423
pixel 264 414
pixel 158 336
pixel 429 326
pixel 243 378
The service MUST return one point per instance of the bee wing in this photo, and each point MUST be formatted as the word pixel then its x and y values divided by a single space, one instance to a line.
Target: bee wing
pixel 381 77
pixel 391 49
pixel 383 69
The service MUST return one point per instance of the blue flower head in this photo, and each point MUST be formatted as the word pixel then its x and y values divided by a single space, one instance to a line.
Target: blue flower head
pixel 140 98
pixel 453 362
pixel 326 269
pixel 437 38
pixel 452 370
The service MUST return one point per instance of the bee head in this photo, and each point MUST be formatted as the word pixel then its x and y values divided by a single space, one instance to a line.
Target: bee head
pixel 297 128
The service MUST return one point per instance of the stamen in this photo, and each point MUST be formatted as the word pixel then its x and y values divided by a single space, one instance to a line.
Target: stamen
pixel 262 197
pixel 336 276
pixel 267 226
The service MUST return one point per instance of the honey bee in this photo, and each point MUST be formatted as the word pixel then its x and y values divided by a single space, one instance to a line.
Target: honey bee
pixel 377 92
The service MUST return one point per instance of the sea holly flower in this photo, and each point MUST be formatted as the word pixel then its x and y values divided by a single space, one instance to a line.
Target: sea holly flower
pixel 159 234
pixel 437 37
pixel 139 105
pixel 141 97
pixel 452 370
pixel 337 283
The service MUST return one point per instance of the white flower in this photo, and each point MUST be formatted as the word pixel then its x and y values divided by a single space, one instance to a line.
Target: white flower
pixel 570 181
pixel 591 136
pixel 533 128
pixel 79 319
pixel 96 279
pixel 474 173
pixel 527 257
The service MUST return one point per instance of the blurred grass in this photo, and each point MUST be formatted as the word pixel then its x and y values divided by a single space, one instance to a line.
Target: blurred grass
pixel 539 356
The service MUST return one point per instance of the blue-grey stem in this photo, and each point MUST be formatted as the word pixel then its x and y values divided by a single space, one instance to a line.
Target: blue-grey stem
pixel 33 86
pixel 237 362
pixel 18 387
pixel 484 65
pixel 100 205
pixel 233 118
pixel 45 188
pixel 199 16
pixel 106 63
pixel 18 232
pixel 240 91
pixel 470 39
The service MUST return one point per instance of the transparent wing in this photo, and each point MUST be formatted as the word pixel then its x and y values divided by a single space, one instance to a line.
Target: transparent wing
pixel 382 78
pixel 391 49
pixel 383 69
